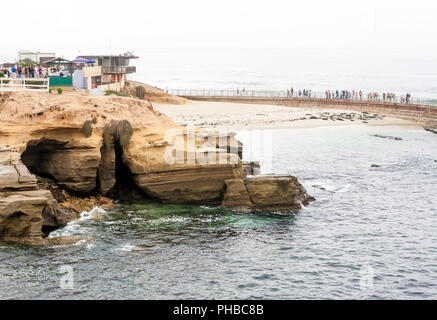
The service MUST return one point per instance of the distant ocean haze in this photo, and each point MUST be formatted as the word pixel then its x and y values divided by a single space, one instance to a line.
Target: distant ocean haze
pixel 278 69
pixel 381 70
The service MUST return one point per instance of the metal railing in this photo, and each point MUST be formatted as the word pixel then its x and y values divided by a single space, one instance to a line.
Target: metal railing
pixel 24 84
pixel 312 95
pixel 119 69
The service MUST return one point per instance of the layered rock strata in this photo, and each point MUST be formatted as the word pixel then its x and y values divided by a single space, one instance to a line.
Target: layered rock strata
pixel 25 210
pixel 87 147
pixel 265 193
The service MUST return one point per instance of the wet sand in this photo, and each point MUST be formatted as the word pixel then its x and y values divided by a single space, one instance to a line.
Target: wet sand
pixel 239 116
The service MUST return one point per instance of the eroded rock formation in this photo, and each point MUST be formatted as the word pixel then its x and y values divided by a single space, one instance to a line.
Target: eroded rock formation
pixel 265 193
pixel 87 147
pixel 25 210
pixel 150 93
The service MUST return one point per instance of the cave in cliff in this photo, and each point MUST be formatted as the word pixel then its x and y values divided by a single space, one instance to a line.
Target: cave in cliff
pixel 38 156
pixel 80 172
pixel 125 187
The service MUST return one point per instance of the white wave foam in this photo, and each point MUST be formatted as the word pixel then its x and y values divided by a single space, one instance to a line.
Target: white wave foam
pixel 326 186
pixel 126 247
pixel 86 215
pixel 73 226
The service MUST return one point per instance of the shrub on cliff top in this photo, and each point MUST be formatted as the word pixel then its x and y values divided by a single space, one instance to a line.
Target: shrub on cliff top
pixel 140 92
pixel 109 92
pixel 87 129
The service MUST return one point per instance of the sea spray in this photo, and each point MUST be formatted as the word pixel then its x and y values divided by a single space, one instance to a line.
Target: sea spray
pixel 73 226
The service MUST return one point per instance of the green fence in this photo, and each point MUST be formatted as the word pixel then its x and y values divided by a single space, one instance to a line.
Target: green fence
pixel 61 81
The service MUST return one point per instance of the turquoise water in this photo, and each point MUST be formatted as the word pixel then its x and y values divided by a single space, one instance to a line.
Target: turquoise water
pixel 380 219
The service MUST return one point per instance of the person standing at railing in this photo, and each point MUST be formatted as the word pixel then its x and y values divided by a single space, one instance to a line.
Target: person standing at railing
pixel 14 71
pixel 32 72
pixel 292 91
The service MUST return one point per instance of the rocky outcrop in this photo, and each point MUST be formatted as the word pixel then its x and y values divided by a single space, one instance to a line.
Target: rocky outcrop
pixel 25 210
pixel 265 193
pixel 88 147
pixel 431 129
pixel 186 182
pixel 251 168
pixel 151 94
pixel 125 138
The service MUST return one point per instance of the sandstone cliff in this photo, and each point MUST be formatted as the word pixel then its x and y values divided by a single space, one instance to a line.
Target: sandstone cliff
pixel 265 193
pixel 152 94
pixel 62 153
pixel 91 145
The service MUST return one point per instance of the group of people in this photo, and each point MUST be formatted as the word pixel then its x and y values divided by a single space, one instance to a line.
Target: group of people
pixel 24 72
pixel 306 93
pixel 350 95
pixel 301 93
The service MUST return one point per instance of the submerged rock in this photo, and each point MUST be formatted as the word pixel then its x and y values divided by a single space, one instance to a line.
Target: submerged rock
pixel 265 193
pixel 387 137
pixel 431 129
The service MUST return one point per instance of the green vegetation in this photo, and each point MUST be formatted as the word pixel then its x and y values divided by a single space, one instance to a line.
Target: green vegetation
pixel 140 92
pixel 2 74
pixel 30 82
pixel 109 92
pixel 27 63
pixel 50 90
pixel 87 129
pixel 59 90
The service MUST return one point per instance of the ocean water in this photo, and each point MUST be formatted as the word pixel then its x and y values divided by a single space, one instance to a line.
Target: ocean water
pixel 371 233
pixel 369 70
pixel 381 70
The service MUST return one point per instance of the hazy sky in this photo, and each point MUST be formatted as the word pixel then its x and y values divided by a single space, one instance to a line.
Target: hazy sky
pixel 88 26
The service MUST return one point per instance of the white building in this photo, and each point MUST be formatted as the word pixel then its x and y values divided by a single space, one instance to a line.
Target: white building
pixel 38 57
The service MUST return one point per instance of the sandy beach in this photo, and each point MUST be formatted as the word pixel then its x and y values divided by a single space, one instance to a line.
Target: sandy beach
pixel 239 116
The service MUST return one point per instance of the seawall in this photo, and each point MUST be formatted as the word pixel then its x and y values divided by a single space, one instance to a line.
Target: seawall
pixel 420 113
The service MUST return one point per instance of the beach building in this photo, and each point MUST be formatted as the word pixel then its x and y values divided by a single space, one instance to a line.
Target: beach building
pixel 60 72
pixel 108 72
pixel 37 57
